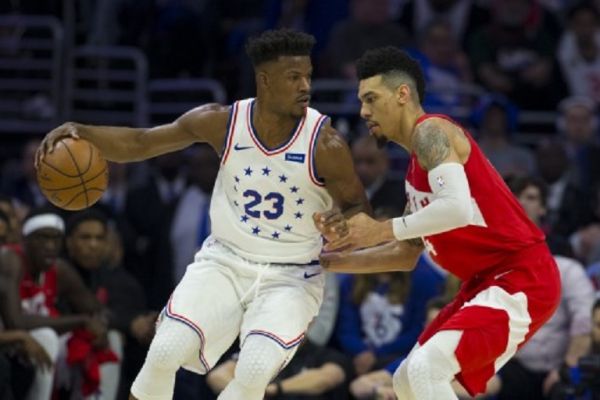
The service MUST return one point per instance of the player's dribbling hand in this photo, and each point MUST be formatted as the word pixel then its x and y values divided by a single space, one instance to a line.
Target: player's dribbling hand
pixel 66 130
pixel 363 231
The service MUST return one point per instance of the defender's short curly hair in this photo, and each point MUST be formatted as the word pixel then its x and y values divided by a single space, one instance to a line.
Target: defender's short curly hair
pixel 391 62
pixel 271 44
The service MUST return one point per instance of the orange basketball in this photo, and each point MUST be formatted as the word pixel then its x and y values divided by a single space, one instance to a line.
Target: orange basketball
pixel 74 175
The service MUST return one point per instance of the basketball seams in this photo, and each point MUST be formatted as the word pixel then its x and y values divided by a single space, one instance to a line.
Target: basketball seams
pixel 58 170
pixel 73 186
pixel 87 201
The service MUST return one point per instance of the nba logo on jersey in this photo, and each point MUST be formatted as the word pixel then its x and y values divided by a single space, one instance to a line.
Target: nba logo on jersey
pixel 264 197
pixel 440 181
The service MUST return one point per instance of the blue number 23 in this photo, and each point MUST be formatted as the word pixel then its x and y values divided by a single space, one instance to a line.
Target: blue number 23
pixel 277 204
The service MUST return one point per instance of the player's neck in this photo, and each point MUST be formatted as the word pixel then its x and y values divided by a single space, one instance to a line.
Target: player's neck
pixel 272 128
pixel 407 125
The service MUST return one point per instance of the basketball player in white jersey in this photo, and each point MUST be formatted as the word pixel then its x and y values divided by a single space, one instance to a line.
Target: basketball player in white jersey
pixel 257 276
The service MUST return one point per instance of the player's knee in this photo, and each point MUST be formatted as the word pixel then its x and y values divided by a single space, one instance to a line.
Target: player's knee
pixel 259 361
pixel 430 362
pixel 173 344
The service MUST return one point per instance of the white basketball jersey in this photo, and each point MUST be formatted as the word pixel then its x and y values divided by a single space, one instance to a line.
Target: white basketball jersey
pixel 264 199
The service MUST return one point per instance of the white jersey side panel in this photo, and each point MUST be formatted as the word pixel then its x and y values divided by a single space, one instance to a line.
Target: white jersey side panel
pixel 263 199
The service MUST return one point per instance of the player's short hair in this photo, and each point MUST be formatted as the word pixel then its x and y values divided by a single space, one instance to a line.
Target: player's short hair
pixel 596 306
pixel 517 184
pixel 91 214
pixel 395 66
pixel 272 44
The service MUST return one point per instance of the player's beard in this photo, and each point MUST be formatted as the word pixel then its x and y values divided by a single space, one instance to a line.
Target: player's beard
pixel 381 141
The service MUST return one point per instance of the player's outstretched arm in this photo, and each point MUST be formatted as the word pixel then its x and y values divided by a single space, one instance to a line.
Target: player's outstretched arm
pixel 206 123
pixel 391 256
pixel 441 149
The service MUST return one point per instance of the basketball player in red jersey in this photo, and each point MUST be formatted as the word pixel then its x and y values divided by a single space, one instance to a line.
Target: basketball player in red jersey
pixel 462 213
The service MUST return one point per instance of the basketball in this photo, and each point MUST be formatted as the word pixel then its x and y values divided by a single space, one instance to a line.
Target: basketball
pixel 74 176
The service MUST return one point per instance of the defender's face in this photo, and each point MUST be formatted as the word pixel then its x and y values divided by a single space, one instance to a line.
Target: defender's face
pixel 378 108
pixel 289 84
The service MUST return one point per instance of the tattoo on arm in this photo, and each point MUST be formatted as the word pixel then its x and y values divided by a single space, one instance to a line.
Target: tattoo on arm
pixel 415 242
pixel 431 145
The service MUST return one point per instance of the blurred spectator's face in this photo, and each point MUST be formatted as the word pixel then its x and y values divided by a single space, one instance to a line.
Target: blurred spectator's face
pixel 596 328
pixel 531 200
pixel 584 25
pixel 203 168
pixel 43 247
pixel 578 124
pixel 87 244
pixel 494 123
pixel 28 157
pixel 287 84
pixel 552 162
pixel 371 12
pixel 3 232
pixel 370 162
pixel 438 44
pixel 442 5
pixel 511 13
pixel 168 165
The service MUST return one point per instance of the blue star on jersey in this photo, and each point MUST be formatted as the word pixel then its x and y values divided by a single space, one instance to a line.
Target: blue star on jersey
pixel 259 206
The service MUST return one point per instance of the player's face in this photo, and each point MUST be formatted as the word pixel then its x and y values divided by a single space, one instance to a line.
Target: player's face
pixel 87 244
pixel 531 201
pixel 378 108
pixel 43 247
pixel 289 84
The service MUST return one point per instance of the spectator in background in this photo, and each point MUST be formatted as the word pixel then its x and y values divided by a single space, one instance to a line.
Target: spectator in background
pixel 445 65
pixel 532 193
pixel 464 16
pixel 13 234
pixel 149 209
pixel 589 238
pixel 578 123
pixel 381 315
pixel 191 219
pixel 372 167
pixel 596 328
pixel 34 280
pixel 20 356
pixel 21 185
pixel 514 54
pixel 87 248
pixel 315 373
pixel 4 228
pixel 567 206
pixel 369 26
pixel 496 121
pixel 534 372
pixel 579 52
pixel 377 385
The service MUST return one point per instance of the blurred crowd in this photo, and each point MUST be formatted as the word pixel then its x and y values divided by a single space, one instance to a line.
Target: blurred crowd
pixel 80 292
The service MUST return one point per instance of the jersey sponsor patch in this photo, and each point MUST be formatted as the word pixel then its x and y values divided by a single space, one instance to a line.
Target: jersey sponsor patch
pixel 295 157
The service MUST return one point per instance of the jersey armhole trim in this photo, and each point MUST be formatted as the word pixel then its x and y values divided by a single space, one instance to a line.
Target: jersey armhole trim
pixel 231 122
pixel 312 168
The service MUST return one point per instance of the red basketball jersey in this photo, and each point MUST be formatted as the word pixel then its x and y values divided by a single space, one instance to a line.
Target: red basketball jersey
pixel 499 227
pixel 37 298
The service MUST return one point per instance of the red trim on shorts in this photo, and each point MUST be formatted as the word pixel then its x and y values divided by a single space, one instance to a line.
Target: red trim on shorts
pixel 180 318
pixel 286 345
